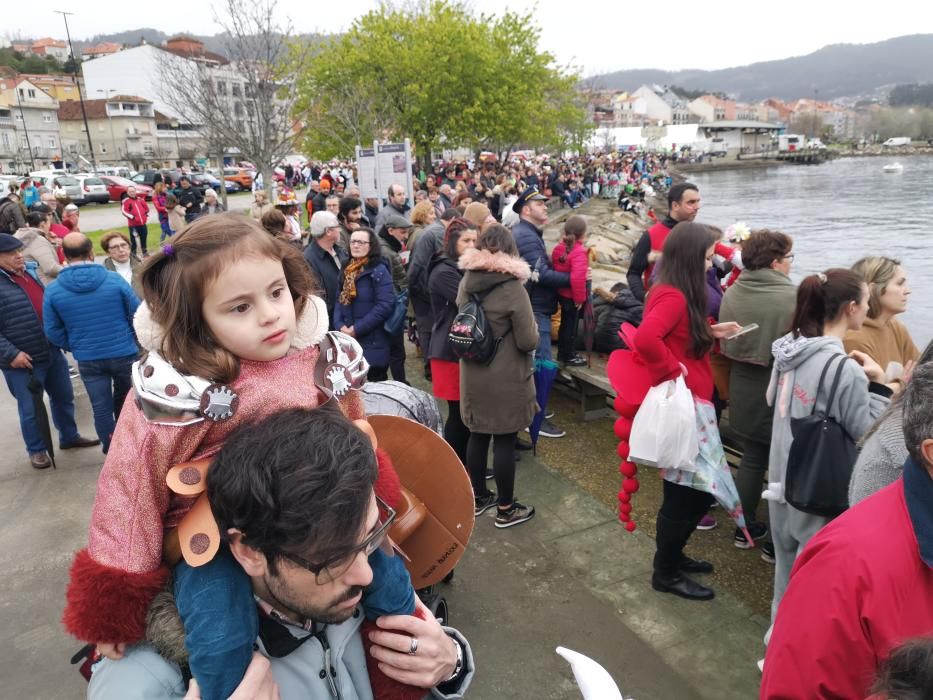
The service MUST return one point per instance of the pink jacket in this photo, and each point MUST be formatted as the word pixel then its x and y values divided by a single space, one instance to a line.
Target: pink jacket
pixel 114 579
pixel 135 210
pixel 577 263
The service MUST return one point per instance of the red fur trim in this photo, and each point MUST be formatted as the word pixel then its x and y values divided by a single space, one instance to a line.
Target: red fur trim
pixel 105 604
pixel 385 688
pixel 388 486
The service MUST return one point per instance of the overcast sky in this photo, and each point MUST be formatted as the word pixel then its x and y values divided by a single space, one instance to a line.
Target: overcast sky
pixel 597 36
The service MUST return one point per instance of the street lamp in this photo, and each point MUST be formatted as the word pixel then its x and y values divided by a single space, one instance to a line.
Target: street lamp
pixel 175 126
pixel 109 116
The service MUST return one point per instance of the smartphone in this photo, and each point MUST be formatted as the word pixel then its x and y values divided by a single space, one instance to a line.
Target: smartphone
pixel 745 329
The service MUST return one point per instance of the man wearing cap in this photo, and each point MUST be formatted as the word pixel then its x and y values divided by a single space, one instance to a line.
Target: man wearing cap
pixel 392 239
pixel 396 205
pixel 25 353
pixel 326 257
pixel 531 206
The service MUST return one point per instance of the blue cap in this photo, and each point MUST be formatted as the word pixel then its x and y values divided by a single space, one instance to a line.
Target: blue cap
pixel 9 243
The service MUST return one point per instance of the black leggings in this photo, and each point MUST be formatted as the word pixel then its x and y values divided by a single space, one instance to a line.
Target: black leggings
pixel 683 503
pixel 568 329
pixel 456 433
pixel 503 464
pixel 377 374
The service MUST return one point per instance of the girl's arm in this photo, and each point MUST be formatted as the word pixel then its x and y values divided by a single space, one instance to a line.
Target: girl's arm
pixel 667 309
pixel 114 579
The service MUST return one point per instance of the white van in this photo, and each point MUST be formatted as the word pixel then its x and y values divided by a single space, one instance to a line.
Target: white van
pixel 897 141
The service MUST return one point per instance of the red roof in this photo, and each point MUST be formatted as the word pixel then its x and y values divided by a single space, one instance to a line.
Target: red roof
pixel 48 41
pixel 102 49
pixel 96 109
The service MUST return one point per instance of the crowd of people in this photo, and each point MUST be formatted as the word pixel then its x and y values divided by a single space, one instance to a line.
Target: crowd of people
pixel 240 306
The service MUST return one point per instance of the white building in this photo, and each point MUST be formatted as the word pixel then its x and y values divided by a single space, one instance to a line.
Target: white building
pixel 664 105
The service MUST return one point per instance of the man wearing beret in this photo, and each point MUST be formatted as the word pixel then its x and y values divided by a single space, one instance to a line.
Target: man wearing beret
pixel 25 353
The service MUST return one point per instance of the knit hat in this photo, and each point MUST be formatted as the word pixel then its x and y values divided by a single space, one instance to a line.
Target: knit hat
pixel 321 221
pixel 476 213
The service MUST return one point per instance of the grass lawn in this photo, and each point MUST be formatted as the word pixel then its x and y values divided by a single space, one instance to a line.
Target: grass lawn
pixel 152 240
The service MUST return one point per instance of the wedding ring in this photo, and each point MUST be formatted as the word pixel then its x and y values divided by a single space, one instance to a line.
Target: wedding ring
pixel 414 646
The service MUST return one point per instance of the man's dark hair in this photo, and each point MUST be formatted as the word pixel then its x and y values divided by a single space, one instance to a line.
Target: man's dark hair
pixel 297 482
pixel 676 193
pixel 392 189
pixel 907 674
pixel 184 178
pixel 450 213
pixel 82 251
pixel 35 219
pixel 763 247
pixel 348 204
pixel 918 410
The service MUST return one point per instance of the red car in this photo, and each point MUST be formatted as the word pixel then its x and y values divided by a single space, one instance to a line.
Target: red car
pixel 116 186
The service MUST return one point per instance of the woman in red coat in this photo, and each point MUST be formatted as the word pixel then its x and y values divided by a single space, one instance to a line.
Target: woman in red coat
pixel 674 339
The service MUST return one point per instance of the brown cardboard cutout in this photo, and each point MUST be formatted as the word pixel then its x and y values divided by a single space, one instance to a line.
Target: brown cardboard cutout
pixel 435 518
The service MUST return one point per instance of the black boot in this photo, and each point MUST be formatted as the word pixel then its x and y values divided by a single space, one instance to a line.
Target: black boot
pixel 689 565
pixel 667 576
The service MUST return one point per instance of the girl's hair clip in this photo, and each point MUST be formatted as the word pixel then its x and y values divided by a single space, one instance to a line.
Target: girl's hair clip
pixel 168 249
pixel 822 278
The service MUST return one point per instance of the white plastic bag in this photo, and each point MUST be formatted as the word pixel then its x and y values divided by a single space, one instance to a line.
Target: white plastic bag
pixel 664 432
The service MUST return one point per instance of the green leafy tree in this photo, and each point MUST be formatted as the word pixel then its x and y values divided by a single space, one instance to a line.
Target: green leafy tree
pixel 439 75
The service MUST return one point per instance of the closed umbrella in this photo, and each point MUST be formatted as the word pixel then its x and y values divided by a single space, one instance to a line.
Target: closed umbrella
pixel 42 416
pixel 589 324
pixel 545 373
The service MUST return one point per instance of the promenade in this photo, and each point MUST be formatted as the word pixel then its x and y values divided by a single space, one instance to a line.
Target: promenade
pixel 570 577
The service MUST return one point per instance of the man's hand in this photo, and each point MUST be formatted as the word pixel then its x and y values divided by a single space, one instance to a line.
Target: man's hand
pixel 114 652
pixel 432 663
pixel 22 361
pixel 257 684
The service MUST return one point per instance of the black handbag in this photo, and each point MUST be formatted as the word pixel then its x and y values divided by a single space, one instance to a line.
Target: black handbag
pixel 821 458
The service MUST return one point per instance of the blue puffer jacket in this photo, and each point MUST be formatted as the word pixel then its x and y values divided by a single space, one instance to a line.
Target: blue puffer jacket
pixel 89 311
pixel 20 328
pixel 543 293
pixel 375 298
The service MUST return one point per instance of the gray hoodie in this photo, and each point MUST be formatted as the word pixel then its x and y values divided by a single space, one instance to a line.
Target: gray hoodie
pixel 798 363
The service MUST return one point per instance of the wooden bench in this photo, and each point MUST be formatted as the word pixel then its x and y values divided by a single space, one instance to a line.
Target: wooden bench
pixel 591 386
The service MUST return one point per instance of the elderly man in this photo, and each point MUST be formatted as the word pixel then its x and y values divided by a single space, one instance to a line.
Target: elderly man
pixel 326 257
pixel 26 355
pixel 864 583
pixel 136 211
pixel 309 613
pixel 332 204
pixel 89 312
pixel 396 205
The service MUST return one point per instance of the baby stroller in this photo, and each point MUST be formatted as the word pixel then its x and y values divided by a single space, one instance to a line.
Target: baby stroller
pixel 391 398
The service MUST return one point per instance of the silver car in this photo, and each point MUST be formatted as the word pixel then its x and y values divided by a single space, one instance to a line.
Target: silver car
pixel 93 189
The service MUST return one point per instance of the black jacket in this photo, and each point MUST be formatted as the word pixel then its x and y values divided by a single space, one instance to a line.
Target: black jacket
pixel 328 272
pixel 610 316
pixel 12 218
pixel 193 197
pixel 428 245
pixel 531 247
pixel 443 282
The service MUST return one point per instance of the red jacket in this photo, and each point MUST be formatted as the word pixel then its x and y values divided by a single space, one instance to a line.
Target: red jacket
pixel 576 263
pixel 135 210
pixel 860 588
pixel 658 235
pixel 663 340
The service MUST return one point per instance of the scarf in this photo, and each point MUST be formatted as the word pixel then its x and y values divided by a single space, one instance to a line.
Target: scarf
pixel 350 273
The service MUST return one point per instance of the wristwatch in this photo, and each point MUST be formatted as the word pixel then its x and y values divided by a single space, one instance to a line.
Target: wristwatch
pixel 458 667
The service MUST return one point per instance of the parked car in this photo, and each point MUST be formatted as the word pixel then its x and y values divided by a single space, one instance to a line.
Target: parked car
pixel 116 188
pixel 240 176
pixel 897 141
pixel 52 179
pixel 93 190
pixel 816 144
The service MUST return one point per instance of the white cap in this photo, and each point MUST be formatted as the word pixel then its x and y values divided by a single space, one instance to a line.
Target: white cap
pixel 321 221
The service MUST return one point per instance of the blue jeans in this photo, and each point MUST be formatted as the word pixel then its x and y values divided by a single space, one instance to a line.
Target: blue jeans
pixel 53 375
pixel 543 352
pixel 216 605
pixel 107 382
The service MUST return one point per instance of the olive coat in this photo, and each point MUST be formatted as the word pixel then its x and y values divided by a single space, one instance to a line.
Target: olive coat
pixel 499 398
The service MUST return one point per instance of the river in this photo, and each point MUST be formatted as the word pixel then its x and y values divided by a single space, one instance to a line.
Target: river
pixel 838 212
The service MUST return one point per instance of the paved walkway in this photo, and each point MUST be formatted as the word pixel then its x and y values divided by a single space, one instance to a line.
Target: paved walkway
pixel 567 578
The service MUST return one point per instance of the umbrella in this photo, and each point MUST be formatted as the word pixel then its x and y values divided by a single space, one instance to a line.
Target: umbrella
pixel 589 324
pixel 712 473
pixel 545 372
pixel 42 416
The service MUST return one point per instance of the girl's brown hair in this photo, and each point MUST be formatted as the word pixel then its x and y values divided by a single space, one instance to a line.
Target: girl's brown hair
pixel 496 238
pixel 823 297
pixel 683 266
pixel 176 279
pixel 574 230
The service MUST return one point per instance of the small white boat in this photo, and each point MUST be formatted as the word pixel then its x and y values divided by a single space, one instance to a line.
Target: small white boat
pixel 893 168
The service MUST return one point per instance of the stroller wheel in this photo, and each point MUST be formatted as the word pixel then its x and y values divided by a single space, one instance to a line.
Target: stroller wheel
pixel 449 577
pixel 440 610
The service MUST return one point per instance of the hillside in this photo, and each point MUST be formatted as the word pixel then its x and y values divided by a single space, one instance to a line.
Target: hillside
pixel 825 74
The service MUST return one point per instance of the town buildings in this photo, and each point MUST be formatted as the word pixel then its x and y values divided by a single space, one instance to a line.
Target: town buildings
pixel 123 130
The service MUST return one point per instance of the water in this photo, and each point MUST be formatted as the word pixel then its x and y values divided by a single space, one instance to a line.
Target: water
pixel 836 213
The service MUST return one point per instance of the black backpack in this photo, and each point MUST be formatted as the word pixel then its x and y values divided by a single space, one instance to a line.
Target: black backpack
pixel 471 337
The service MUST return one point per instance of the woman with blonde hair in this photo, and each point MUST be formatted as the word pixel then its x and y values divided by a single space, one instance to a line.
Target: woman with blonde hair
pixel 422 216
pixel 882 337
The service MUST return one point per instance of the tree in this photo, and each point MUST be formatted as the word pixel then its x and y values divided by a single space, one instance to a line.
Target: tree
pixel 459 80
pixel 246 105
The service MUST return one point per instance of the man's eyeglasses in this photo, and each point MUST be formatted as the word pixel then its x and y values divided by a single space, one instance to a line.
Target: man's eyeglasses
pixel 336 566
pixel 352 242
pixel 789 257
